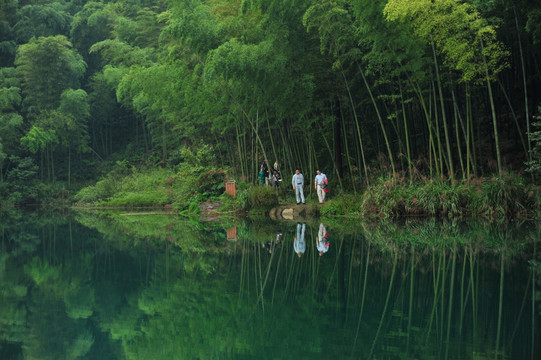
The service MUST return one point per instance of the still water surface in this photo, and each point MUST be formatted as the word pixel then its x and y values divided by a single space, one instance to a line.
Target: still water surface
pixel 111 286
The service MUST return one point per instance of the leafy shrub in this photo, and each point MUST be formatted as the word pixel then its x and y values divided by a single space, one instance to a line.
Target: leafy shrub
pixel 496 197
pixel 258 197
pixel 23 181
pixel 535 153
pixel 102 191
pixel 212 182
pixel 346 204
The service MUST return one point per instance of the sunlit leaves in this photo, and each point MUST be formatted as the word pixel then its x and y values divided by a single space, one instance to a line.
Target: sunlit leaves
pixel 458 30
pixel 37 139
pixel 119 53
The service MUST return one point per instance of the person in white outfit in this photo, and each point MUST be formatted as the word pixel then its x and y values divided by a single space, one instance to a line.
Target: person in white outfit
pixel 318 184
pixel 298 183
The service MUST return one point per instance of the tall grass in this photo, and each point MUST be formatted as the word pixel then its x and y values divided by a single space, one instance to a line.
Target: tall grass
pixel 506 196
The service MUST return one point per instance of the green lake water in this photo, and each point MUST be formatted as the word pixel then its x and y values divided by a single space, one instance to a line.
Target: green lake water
pixel 112 286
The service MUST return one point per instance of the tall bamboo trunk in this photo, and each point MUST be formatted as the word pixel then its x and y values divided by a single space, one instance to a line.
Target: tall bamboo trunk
pixel 380 120
pixel 443 115
pixel 524 82
pixel 493 111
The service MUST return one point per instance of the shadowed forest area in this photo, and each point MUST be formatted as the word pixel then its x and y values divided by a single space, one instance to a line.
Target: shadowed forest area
pixel 412 91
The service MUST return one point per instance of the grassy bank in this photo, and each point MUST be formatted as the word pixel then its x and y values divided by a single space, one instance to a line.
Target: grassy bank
pixel 184 188
pixel 507 196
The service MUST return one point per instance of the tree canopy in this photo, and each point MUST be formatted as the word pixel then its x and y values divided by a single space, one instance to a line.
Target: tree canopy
pixel 434 89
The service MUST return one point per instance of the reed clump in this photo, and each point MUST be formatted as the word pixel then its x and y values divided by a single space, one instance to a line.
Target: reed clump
pixel 505 196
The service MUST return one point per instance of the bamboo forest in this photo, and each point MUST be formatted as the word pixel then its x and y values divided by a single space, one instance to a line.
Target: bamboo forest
pixel 270 179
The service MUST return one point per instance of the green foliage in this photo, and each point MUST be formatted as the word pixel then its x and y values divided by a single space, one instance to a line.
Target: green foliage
pixel 48 66
pixel 37 139
pixel 183 189
pixel 22 179
pixel 534 165
pixel 212 183
pixel 37 20
pixel 501 197
pixel 343 205
pixel 204 85
pixel 458 30
pixel 258 197
pixel 102 190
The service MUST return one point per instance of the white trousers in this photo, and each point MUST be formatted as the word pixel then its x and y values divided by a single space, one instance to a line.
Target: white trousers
pixel 320 194
pixel 299 193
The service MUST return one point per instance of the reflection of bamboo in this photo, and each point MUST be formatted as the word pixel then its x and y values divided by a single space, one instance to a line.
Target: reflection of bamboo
pixel 410 311
pixel 450 304
pixel 290 271
pixel 242 267
pixel 334 269
pixel 521 311
pixel 350 276
pixel 533 301
pixel 167 266
pixel 442 287
pixel 436 281
pixel 71 239
pixel 362 296
pixel 276 275
pixel 258 275
pixel 473 296
pixel 263 282
pixel 500 306
pixel 462 300
pixel 385 306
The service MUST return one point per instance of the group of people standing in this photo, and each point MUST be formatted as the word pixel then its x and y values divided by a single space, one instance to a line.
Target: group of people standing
pixel 320 184
pixel 268 177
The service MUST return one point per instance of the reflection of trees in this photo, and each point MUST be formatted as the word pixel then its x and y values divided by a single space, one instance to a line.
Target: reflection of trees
pixel 162 288
pixel 46 291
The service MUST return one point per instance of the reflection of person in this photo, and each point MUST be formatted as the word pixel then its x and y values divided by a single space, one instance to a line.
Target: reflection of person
pixel 298 244
pixel 320 177
pixel 322 240
pixel 270 245
pixel 298 183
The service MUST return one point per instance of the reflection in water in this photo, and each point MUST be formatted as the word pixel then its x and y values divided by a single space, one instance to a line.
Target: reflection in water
pixel 115 287
pixel 322 240
pixel 298 242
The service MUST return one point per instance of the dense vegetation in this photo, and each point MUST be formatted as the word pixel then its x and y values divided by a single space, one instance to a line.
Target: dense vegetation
pixel 419 91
